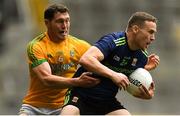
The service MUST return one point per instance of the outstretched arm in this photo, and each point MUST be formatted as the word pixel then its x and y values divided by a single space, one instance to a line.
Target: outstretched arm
pixel 43 72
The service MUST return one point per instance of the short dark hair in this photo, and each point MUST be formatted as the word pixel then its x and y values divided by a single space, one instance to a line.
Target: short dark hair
pixel 53 9
pixel 138 18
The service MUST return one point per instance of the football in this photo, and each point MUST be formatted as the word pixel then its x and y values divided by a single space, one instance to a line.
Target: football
pixel 137 78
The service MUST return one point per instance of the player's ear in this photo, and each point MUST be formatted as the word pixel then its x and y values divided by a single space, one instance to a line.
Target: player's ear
pixel 135 28
pixel 46 21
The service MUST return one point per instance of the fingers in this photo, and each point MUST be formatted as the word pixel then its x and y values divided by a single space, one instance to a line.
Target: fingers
pixel 147 93
pixel 144 89
pixel 124 83
pixel 151 55
pixel 154 58
pixel 152 89
pixel 87 80
pixel 87 73
pixel 89 76
pixel 157 57
pixel 152 86
pixel 153 62
pixel 93 80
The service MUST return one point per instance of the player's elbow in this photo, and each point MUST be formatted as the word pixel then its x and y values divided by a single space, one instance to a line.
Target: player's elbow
pixel 46 81
pixel 84 61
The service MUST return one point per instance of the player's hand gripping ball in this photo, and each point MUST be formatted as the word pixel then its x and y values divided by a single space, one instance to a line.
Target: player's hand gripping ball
pixel 137 78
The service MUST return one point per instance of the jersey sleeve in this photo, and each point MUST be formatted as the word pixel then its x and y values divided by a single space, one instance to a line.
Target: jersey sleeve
pixel 106 44
pixel 35 55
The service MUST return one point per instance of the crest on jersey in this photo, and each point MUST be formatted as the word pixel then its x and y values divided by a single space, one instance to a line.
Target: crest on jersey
pixel 60 59
pixel 75 99
pixel 72 53
pixel 61 56
pixel 134 61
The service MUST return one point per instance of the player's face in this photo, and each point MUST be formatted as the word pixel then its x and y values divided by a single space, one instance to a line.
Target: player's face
pixel 59 26
pixel 145 35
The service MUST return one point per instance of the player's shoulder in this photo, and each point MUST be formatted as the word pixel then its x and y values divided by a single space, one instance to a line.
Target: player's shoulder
pixel 115 35
pixel 119 38
pixel 77 41
pixel 36 41
pixel 118 35
pixel 37 38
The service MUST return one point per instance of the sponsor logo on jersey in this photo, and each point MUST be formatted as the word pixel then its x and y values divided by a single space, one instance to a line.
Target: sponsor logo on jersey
pixel 116 58
pixel 125 61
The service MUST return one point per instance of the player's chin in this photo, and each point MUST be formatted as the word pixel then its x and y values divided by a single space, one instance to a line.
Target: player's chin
pixel 144 47
pixel 62 35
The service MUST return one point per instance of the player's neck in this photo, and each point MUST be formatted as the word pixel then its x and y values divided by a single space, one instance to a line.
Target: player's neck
pixel 130 40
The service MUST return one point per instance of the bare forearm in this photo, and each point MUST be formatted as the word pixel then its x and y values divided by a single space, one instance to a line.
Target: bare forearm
pixel 93 65
pixel 59 82
pixel 43 72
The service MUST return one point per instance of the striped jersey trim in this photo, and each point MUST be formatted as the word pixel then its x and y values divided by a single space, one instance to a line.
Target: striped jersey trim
pixel 145 53
pixel 120 41
pixel 67 97
pixel 38 62
pixel 30 52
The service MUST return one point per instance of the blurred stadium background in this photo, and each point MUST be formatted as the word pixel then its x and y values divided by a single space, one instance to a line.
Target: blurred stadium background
pixel 21 20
